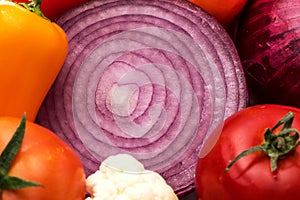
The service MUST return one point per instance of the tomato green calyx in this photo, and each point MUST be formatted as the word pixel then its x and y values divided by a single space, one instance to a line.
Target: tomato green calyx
pixel 276 146
pixel 6 158
pixel 35 7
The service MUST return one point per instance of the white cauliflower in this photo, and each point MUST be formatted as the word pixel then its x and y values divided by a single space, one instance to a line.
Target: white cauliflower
pixel 122 177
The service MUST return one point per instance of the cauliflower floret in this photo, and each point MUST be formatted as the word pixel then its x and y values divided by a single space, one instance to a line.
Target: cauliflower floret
pixel 122 177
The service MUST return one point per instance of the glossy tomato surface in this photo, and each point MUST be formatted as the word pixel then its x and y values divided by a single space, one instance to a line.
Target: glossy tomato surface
pixel 224 11
pixel 54 8
pixel 45 159
pixel 250 178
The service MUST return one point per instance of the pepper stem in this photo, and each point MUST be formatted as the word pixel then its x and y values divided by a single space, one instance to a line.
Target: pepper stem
pixel 35 7
pixel 276 146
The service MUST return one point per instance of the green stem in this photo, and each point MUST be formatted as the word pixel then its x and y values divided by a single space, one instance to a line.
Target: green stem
pixel 276 146
pixel 35 7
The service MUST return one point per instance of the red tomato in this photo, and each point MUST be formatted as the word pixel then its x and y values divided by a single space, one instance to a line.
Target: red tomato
pixel 250 177
pixel 224 11
pixel 45 159
pixel 54 8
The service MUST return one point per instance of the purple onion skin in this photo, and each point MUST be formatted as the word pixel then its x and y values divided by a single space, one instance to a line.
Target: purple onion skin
pixel 268 42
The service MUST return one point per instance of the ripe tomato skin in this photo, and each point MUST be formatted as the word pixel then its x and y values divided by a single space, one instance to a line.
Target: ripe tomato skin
pixel 52 9
pixel 250 177
pixel 45 159
pixel 224 11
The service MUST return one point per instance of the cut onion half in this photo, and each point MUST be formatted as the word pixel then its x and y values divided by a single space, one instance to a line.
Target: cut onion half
pixel 147 78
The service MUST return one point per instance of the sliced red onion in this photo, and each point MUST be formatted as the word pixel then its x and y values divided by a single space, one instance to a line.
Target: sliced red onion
pixel 146 78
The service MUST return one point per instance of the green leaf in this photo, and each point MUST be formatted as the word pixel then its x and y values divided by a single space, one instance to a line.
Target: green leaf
pixel 243 154
pixel 6 158
pixel 14 183
pixel 287 121
pixel 12 148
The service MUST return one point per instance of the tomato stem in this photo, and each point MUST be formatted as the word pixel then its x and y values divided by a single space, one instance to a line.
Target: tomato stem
pixel 6 158
pixel 35 7
pixel 276 146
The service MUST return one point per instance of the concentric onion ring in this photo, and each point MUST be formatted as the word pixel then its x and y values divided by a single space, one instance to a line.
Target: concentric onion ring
pixel 147 78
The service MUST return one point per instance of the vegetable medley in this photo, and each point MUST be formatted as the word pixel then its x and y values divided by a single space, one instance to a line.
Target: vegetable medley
pixel 118 99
